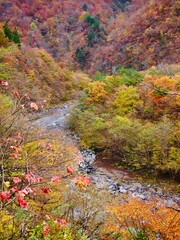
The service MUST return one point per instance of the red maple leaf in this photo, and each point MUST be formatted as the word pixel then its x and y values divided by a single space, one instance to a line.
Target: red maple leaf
pixel 16 94
pixel 55 179
pixel 46 190
pixel 22 202
pixel 30 177
pixel 16 180
pixel 14 189
pixel 69 170
pixel 5 196
pixel 15 155
pixel 62 222
pixel 6 84
pixel 46 230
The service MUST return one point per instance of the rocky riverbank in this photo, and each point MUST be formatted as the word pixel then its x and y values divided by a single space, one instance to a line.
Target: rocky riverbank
pixel 118 182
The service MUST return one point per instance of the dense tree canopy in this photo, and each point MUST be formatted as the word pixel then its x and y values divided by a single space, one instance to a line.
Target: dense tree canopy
pixel 99 35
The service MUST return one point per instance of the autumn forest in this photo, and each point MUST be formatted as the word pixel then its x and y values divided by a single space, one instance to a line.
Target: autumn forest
pixel 89 120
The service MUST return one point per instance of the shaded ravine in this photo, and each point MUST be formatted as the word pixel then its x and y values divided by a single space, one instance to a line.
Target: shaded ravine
pixel 113 179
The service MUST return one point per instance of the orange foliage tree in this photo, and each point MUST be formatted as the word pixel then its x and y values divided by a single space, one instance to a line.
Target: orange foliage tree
pixel 148 220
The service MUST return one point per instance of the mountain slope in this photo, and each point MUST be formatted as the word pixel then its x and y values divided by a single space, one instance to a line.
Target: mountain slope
pixel 99 35
pixel 147 36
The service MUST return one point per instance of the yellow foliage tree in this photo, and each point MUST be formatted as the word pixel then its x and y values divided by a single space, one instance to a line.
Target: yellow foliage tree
pixel 3 38
pixel 96 92
pixel 127 99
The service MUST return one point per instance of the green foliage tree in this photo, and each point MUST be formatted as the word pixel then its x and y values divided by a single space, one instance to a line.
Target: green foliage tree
pixel 12 36
pixel 8 32
pixel 81 56
pixel 90 38
pixel 124 136
pixel 92 21
pixel 90 127
pixel 16 38
pixel 130 76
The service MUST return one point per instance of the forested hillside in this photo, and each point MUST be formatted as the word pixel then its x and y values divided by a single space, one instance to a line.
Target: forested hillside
pixel 55 25
pixel 34 72
pixel 89 120
pixel 99 35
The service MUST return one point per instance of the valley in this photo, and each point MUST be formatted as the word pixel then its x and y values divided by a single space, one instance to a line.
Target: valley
pixel 89 120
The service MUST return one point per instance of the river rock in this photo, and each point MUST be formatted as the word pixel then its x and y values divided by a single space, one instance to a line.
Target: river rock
pixel 170 203
pixel 122 190
pixel 135 187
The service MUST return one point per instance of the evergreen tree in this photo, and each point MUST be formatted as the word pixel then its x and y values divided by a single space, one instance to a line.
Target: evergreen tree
pixel 12 36
pixel 8 32
pixel 16 38
pixel 80 56
pixel 91 37
pixel 85 7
